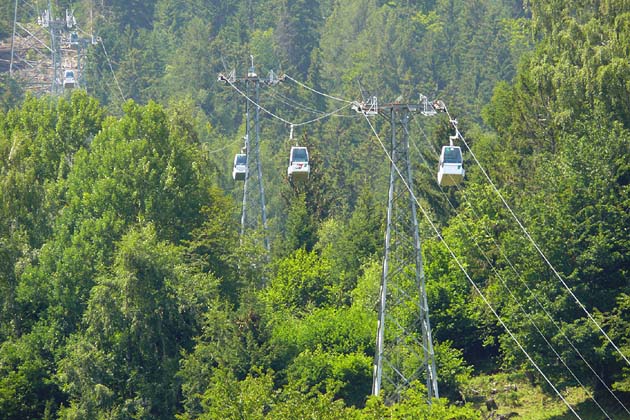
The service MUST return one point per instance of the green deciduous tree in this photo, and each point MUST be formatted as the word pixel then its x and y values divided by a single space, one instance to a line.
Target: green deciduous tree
pixel 26 369
pixel 125 361
pixel 302 280
pixel 229 398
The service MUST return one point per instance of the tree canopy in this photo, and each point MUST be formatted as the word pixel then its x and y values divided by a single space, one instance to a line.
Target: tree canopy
pixel 127 290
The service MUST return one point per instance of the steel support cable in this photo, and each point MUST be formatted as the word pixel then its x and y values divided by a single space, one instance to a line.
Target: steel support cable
pixel 101 77
pixel 461 267
pixel 293 104
pixel 433 149
pixel 548 315
pixel 316 91
pixel 266 111
pixel 538 249
pixel 522 280
pixel 13 38
pixel 321 117
pixel 520 306
pixel 211 152
pixel 79 29
pixel 122 95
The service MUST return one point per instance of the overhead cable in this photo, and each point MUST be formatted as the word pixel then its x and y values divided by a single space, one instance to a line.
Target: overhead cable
pixel 265 110
pixel 538 249
pixel 461 267
pixel 122 95
pixel 316 91
pixel 518 303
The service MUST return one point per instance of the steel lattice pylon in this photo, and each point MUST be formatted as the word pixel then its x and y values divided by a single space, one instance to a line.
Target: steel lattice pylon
pixel 253 212
pixel 82 46
pixel 35 51
pixel 44 44
pixel 404 349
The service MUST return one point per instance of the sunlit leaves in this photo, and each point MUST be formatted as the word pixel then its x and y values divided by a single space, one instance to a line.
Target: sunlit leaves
pixel 134 332
pixel 301 280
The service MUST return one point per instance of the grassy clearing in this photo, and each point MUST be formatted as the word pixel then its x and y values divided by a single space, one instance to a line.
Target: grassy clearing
pixel 516 398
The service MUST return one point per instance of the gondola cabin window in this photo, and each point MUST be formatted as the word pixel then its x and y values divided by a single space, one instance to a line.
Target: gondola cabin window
pixel 299 168
pixel 451 171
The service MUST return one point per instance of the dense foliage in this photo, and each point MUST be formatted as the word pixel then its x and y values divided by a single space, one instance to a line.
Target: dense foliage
pixel 126 292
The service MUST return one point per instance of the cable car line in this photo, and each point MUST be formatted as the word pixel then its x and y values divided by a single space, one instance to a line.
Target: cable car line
pixel 299 168
pixel 292 103
pixel 463 269
pixel 520 277
pixel 265 110
pixel 460 136
pixel 540 252
pixel 122 95
pixel 211 152
pixel 549 316
pixel 520 306
pixel 316 91
pixel 107 58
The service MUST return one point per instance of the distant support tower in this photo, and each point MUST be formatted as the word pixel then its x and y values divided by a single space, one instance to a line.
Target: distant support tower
pixel 253 212
pixel 56 27
pixel 82 45
pixel 32 53
pixel 404 346
pixel 45 44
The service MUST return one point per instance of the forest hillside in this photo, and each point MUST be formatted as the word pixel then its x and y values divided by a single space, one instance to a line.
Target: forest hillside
pixel 134 286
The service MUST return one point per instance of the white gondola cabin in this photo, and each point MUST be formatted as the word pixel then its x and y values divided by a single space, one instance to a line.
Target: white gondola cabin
pixel 451 171
pixel 68 79
pixel 299 169
pixel 239 171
